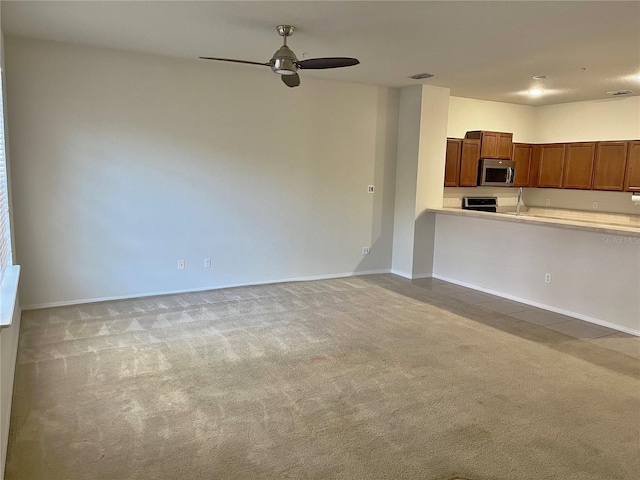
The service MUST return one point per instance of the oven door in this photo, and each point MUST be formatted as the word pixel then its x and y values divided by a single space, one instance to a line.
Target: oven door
pixel 498 173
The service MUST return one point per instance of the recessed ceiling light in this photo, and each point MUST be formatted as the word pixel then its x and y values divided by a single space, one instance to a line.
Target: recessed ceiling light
pixel 421 76
pixel 620 92
pixel 536 92
pixel 539 77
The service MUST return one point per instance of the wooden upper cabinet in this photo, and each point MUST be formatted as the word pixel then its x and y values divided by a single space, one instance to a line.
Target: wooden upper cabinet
pixel 452 162
pixel 610 166
pixel 578 165
pixel 632 177
pixel 505 141
pixel 493 144
pixel 488 145
pixel 550 165
pixel 469 163
pixel 522 157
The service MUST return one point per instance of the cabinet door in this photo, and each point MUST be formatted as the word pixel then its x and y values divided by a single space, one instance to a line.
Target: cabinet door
pixel 632 177
pixel 505 142
pixel 522 158
pixel 551 165
pixel 578 165
pixel 452 163
pixel 610 166
pixel 469 163
pixel 489 145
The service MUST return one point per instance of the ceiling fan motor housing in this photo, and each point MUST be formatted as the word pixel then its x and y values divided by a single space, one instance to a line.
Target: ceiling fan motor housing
pixel 284 61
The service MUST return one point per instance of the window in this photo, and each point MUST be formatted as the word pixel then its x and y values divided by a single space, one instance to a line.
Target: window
pixel 5 234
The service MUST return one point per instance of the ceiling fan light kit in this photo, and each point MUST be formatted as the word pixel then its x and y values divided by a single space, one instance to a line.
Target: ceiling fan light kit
pixel 285 63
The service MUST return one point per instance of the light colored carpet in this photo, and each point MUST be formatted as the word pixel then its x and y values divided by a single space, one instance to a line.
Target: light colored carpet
pixel 360 378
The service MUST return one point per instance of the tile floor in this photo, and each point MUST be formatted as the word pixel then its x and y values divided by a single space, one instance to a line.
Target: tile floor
pixel 599 335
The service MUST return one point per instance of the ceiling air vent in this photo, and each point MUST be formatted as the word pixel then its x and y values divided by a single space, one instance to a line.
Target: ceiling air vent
pixel 620 92
pixel 421 76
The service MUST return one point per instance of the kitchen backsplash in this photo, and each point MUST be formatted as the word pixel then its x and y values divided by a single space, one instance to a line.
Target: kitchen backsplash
pixel 615 202
pixel 453 196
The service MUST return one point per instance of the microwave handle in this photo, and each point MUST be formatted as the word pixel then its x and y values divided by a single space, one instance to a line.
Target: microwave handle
pixel 510 175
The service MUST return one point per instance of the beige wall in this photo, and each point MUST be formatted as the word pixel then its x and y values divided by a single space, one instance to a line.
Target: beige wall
pixel 466 114
pixel 598 120
pixel 125 163
pixel 610 119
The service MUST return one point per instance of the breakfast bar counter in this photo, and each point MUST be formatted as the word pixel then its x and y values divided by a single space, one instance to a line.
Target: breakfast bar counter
pixel 610 223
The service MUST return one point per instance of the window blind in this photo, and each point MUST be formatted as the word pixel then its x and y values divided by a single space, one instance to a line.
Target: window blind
pixel 5 236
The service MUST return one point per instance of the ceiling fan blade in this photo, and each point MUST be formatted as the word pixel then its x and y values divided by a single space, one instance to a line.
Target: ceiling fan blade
pixel 234 61
pixel 330 62
pixel 291 80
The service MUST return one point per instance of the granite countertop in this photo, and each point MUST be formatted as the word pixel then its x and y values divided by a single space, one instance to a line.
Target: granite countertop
pixel 611 223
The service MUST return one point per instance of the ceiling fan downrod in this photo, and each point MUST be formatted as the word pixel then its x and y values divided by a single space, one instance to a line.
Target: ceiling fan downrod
pixel 284 61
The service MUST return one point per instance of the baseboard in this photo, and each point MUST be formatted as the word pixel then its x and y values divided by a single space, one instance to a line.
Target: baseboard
pixel 400 274
pixel 67 303
pixel 544 306
pixel 422 275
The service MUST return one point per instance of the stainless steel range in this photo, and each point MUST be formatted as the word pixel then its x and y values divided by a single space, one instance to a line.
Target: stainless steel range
pixel 480 204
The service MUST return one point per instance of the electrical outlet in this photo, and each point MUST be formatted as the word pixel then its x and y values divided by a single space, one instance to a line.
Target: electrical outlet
pixel 365 250
pixel 547 201
pixel 547 278
pixel 181 265
pixel 595 205
pixel 207 263
pixel 371 188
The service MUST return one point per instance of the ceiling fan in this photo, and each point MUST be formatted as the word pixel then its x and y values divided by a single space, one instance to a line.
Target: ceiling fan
pixel 285 63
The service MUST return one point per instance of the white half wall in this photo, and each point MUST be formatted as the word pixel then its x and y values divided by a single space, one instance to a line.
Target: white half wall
pixel 124 163
pixel 9 337
pixel 594 276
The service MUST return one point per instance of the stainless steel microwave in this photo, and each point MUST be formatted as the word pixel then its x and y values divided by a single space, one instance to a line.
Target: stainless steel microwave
pixel 496 173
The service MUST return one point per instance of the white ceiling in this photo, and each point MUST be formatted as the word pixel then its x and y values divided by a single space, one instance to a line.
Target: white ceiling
pixel 483 49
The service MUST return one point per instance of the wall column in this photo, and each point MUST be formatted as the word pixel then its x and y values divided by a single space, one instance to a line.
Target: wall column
pixel 422 134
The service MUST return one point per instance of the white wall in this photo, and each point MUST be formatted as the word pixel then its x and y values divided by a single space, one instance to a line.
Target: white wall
pixel 422 139
pixel 410 111
pixel 433 145
pixel 467 114
pixel 9 335
pixel 124 163
pixel 595 276
pixel 595 120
